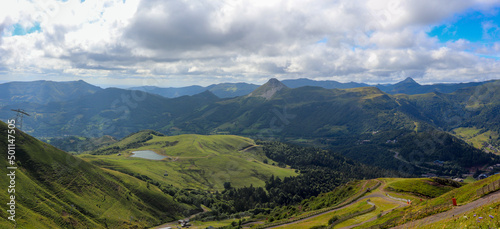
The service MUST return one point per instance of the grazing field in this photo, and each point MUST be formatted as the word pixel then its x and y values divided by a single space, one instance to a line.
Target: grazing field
pixel 425 187
pixel 192 161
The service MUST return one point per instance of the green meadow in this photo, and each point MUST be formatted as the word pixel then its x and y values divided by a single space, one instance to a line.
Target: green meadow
pixel 192 161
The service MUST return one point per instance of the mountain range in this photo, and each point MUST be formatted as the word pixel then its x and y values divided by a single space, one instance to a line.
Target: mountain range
pixel 228 90
pixel 43 92
pixel 272 109
pixel 345 119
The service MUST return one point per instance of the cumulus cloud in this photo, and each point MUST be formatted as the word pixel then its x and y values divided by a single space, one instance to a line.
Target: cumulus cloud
pixel 201 42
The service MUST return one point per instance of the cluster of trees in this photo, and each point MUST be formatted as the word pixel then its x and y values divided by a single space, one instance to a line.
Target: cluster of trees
pixel 321 171
pixel 436 145
pixel 137 140
pixel 416 151
pixel 78 145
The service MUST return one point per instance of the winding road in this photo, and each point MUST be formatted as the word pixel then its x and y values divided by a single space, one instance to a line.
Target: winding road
pixel 373 195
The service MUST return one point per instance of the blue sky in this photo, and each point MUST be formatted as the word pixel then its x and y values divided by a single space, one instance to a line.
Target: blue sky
pixel 180 43
pixel 479 27
pixel 19 30
pixel 474 26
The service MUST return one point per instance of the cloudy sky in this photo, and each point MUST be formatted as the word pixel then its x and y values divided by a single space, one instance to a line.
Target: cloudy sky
pixel 186 42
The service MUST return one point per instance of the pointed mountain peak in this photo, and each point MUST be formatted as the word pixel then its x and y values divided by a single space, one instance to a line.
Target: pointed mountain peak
pixel 274 81
pixel 268 89
pixel 408 80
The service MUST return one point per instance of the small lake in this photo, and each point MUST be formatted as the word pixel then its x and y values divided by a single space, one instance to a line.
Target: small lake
pixel 147 154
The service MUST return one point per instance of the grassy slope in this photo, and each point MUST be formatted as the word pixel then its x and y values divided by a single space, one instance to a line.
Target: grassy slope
pixel 425 187
pixel 382 205
pixel 195 161
pixel 477 137
pixel 57 190
pixel 323 219
pixel 472 219
pixel 299 112
pixel 464 195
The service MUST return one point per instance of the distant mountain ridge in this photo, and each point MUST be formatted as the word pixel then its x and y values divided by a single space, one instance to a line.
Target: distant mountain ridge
pixel 323 112
pixel 328 84
pixel 410 87
pixel 43 92
pixel 229 90
pixel 111 111
pixel 222 90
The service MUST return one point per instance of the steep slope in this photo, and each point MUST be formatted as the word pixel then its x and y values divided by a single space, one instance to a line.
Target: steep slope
pixel 43 92
pixel 268 90
pixel 407 86
pixel 56 190
pixel 435 152
pixel 273 110
pixel 474 107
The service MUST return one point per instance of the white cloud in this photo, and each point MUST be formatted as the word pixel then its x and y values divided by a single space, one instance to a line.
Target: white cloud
pixel 199 42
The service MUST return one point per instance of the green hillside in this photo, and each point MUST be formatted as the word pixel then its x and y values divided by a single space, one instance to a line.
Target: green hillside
pixel 56 190
pixel 421 208
pixel 467 108
pixel 192 161
pixel 76 145
pixel 302 112
pixel 424 187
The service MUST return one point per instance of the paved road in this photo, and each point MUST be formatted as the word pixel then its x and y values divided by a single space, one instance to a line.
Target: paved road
pixel 336 209
pixel 401 204
pixel 355 202
pixel 491 198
